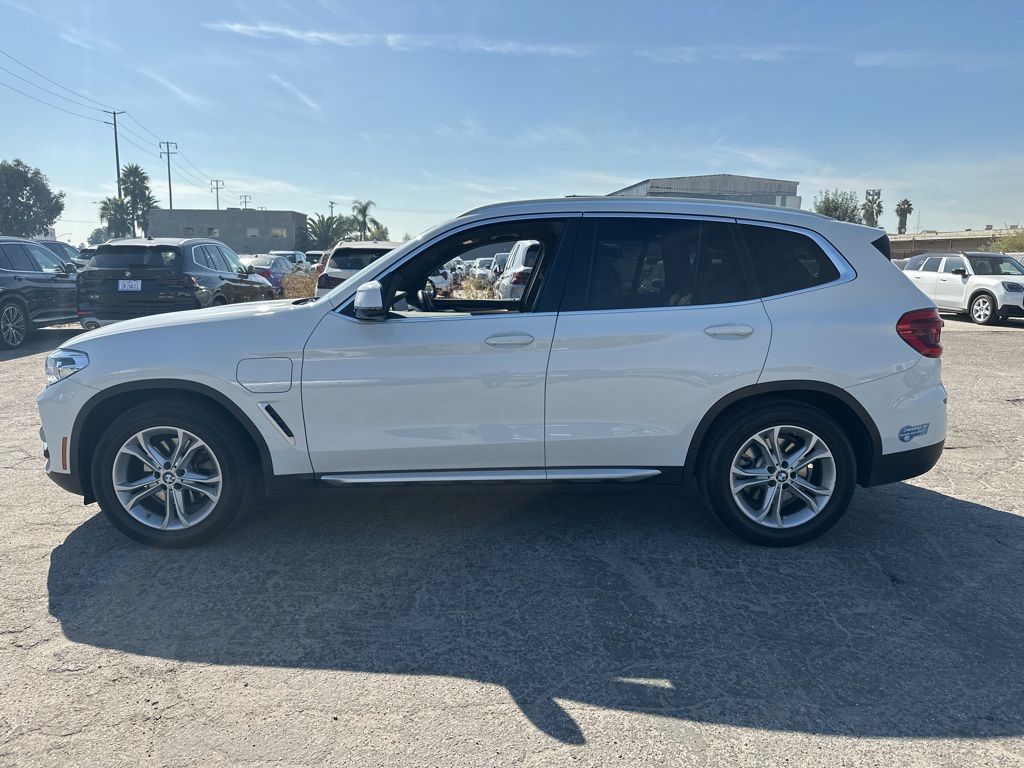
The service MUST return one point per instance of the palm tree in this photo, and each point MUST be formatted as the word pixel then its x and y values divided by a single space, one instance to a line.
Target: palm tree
pixel 324 231
pixel 114 213
pixel 903 209
pixel 362 217
pixel 377 232
pixel 137 196
pixel 872 207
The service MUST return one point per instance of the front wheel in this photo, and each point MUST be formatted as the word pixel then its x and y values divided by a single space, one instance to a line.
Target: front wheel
pixel 983 309
pixel 779 474
pixel 14 325
pixel 171 475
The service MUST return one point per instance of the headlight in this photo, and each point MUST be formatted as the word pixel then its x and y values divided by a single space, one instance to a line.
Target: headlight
pixel 64 362
pixel 1014 287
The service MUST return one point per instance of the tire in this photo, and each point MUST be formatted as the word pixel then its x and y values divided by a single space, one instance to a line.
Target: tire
pixel 223 454
pixel 730 446
pixel 219 301
pixel 14 325
pixel 983 309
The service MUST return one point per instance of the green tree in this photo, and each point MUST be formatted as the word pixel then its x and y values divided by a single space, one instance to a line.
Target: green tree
pixel 115 215
pixel 377 231
pixel 843 206
pixel 903 210
pixel 324 231
pixel 1009 244
pixel 363 220
pixel 872 207
pixel 138 196
pixel 27 204
pixel 97 236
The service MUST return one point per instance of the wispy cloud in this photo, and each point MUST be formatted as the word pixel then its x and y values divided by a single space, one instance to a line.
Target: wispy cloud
pixel 191 99
pixel 296 93
pixel 728 53
pixel 401 42
pixel 920 59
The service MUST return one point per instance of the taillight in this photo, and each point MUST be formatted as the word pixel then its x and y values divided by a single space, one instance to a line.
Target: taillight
pixel 519 277
pixel 922 329
pixel 264 273
pixel 191 281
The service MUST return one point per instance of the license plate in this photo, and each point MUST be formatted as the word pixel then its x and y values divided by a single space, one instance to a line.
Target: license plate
pixel 129 285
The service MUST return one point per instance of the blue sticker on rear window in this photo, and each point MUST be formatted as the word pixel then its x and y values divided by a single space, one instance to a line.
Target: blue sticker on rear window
pixel 911 431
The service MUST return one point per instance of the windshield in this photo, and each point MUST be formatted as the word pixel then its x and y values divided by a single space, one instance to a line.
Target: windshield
pixel 136 257
pixel 995 265
pixel 355 259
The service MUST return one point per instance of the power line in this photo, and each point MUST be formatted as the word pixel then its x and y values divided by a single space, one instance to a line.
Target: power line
pixel 147 150
pixel 136 121
pixel 54 106
pixel 47 90
pixel 202 173
pixel 54 82
pixel 128 130
pixel 198 179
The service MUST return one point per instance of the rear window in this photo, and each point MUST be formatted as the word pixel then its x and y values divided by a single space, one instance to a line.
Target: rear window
pixel 353 259
pixel 134 257
pixel 786 261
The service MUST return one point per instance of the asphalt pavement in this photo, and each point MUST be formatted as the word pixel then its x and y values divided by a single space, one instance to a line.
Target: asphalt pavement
pixel 498 626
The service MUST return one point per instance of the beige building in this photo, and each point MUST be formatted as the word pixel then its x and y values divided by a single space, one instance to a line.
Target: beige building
pixel 905 246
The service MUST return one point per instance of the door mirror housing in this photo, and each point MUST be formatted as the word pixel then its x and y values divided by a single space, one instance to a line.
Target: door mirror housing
pixel 249 270
pixel 960 271
pixel 369 302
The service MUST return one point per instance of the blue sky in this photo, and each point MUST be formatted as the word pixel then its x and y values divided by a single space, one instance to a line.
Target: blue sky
pixel 431 108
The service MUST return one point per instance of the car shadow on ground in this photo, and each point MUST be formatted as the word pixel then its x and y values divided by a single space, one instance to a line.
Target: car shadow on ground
pixel 41 340
pixel 905 621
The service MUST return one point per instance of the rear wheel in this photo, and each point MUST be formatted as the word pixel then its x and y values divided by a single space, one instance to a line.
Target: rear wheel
pixel 14 325
pixel 219 301
pixel 171 475
pixel 779 474
pixel 983 309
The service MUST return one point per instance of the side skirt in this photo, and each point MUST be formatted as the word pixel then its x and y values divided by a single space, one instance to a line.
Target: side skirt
pixel 577 474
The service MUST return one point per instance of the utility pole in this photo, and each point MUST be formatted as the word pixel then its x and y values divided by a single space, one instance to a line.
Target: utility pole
pixel 243 200
pixel 165 149
pixel 332 204
pixel 216 185
pixel 117 153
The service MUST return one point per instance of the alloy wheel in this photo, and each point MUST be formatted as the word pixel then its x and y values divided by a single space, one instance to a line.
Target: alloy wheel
pixel 167 478
pixel 13 325
pixel 981 309
pixel 782 476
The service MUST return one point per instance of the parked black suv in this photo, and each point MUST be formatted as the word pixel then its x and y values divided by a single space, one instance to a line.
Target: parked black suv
pixel 36 289
pixel 137 277
pixel 66 253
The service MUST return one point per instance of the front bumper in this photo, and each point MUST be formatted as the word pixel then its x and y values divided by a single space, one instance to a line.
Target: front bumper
pixel 59 405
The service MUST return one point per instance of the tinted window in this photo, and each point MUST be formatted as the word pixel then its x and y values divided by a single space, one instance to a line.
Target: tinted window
pixel 352 258
pixel 135 257
pixel 233 263
pixel 643 263
pixel 786 261
pixel 915 263
pixel 200 257
pixel 56 248
pixel 996 265
pixel 216 258
pixel 721 278
pixel 931 264
pixel 951 264
pixel 45 258
pixel 16 258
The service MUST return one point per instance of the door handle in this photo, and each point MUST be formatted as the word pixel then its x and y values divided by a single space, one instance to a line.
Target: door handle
pixel 509 340
pixel 736 331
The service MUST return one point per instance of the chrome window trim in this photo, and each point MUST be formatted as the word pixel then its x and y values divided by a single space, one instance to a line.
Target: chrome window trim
pixel 846 271
pixel 202 266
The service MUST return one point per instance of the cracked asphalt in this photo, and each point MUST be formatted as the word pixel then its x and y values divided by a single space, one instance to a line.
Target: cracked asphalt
pixel 493 626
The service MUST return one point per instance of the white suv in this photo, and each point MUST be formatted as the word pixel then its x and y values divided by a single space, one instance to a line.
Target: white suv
pixel 775 355
pixel 987 286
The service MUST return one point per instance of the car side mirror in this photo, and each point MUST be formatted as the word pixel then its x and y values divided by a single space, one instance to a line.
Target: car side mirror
pixel 250 270
pixel 69 268
pixel 960 271
pixel 369 302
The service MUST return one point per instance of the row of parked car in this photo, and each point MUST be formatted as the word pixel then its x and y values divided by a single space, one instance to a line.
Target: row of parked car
pixel 988 287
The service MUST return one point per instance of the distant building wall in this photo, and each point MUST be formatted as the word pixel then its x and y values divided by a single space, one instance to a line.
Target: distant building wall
pixel 244 231
pixel 718 186
pixel 905 246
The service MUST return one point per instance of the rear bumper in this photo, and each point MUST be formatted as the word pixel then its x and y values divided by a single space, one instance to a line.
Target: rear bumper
pixel 893 467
